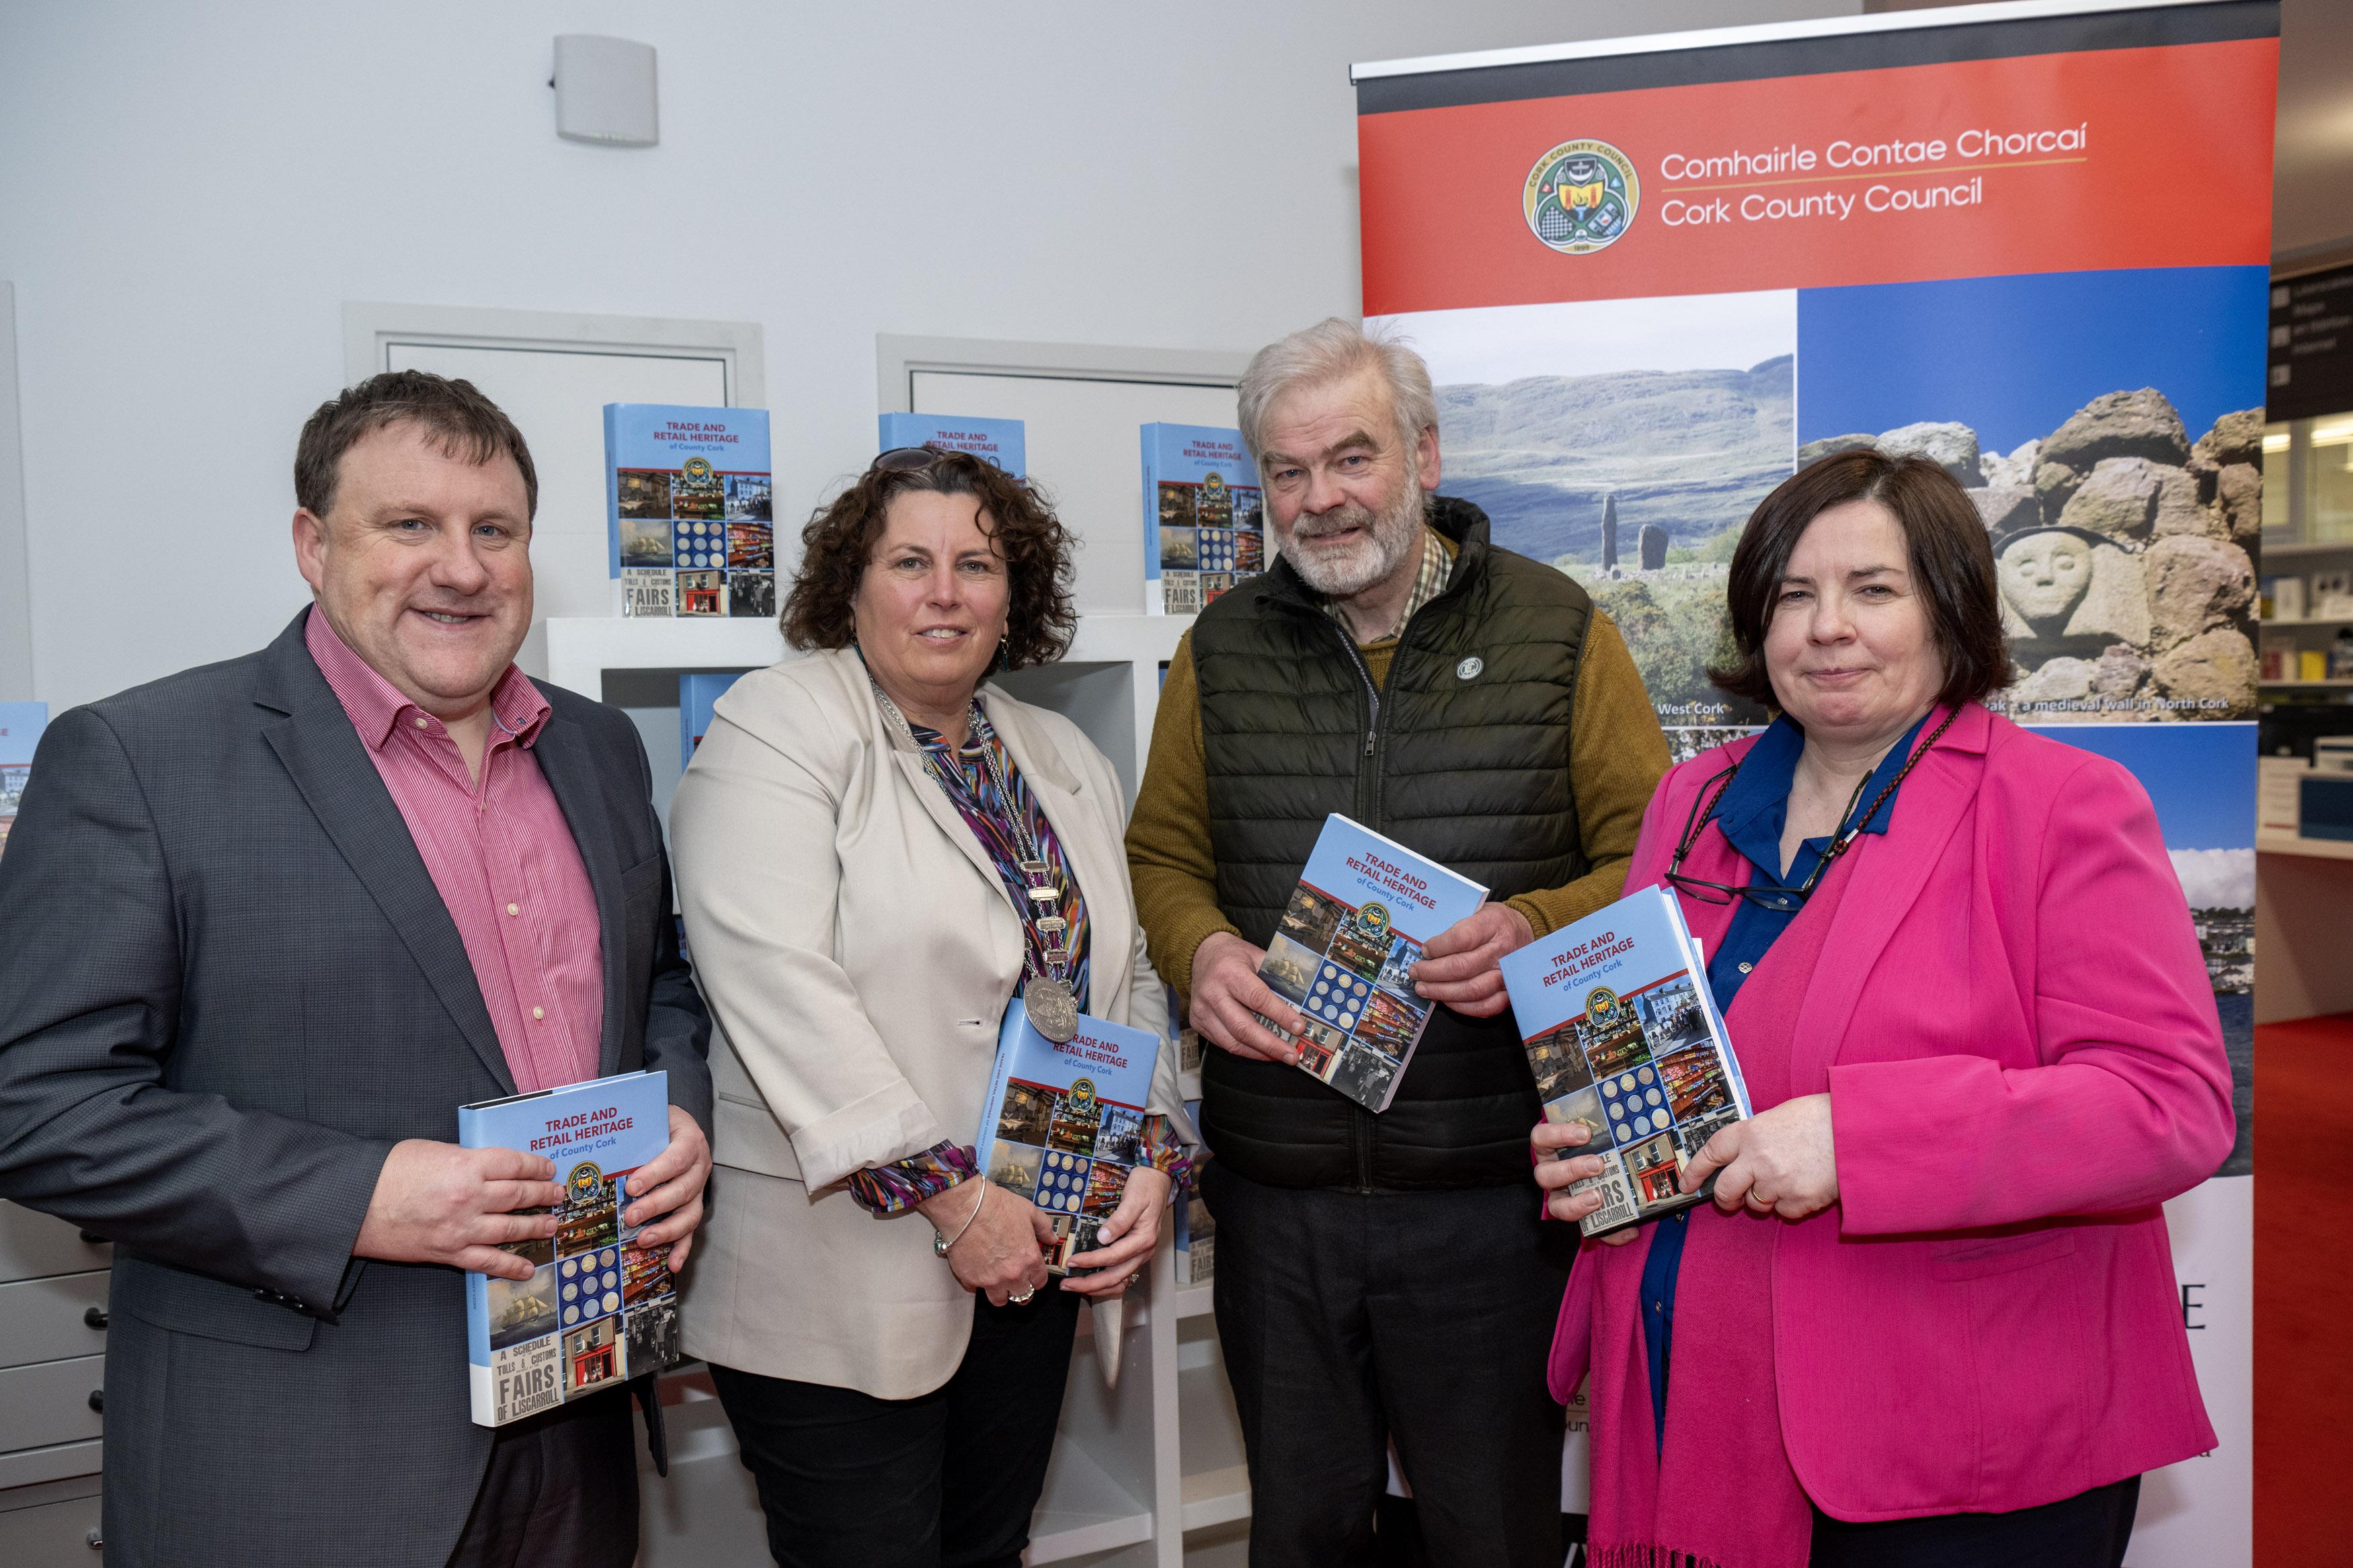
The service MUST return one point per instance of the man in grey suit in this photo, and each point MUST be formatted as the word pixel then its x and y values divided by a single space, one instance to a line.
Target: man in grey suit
pixel 266 925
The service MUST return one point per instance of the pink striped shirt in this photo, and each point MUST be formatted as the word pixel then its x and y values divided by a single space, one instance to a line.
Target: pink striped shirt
pixel 501 855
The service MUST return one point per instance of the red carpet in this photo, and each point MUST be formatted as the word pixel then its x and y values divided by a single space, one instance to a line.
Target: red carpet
pixel 2303 1279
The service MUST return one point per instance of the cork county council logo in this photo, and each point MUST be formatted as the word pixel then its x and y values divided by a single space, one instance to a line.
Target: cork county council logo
pixel 1581 196
pixel 584 1182
pixel 698 470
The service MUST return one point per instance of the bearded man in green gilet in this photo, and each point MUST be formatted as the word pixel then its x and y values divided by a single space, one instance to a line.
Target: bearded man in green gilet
pixel 1384 1278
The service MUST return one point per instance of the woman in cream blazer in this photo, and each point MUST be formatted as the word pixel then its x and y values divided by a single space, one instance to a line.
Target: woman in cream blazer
pixel 859 948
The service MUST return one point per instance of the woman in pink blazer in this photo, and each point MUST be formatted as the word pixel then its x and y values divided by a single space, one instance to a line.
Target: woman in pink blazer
pixel 1931 1317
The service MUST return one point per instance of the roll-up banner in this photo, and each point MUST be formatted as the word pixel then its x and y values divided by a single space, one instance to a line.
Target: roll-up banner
pixel 2031 241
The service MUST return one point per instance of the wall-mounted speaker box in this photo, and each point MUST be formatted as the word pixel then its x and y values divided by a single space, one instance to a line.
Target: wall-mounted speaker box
pixel 605 91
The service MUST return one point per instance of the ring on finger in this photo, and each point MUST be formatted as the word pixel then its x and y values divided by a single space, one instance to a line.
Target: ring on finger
pixel 1018 1300
pixel 1759 1199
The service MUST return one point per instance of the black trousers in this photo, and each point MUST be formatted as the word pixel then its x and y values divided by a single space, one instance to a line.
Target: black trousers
pixel 2087 1530
pixel 946 1481
pixel 560 1491
pixel 1350 1320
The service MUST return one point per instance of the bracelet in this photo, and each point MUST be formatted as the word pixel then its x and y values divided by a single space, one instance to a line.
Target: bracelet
pixel 941 1243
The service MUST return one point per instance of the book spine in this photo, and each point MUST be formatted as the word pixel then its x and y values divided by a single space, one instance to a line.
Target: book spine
pixel 613 489
pixel 472 1134
pixel 1154 603
pixel 1000 1072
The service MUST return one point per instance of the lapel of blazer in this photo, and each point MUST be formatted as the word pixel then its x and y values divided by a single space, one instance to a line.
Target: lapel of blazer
pixel 858 691
pixel 1883 885
pixel 943 813
pixel 329 764
pixel 571 774
pixel 1099 876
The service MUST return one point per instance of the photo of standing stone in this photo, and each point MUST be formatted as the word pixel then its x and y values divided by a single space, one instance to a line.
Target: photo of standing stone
pixel 1625 442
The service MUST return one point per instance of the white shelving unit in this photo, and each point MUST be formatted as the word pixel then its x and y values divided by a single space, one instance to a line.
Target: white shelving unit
pixel 1136 1466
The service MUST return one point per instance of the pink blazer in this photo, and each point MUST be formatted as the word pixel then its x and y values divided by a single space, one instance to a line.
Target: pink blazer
pixel 2015 1026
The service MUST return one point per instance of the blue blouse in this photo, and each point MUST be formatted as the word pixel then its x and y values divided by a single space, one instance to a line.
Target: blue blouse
pixel 1751 814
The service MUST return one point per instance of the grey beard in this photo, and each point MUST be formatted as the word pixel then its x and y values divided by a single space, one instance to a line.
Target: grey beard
pixel 1394 531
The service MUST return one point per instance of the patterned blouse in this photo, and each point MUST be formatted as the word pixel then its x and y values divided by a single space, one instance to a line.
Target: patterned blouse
pixel 964 775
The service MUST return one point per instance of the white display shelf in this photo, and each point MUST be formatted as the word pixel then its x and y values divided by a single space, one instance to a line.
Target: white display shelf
pixel 2288 552
pixel 1194 1301
pixel 2312 848
pixel 2306 685
pixel 2273 622
pixel 1084 1511
pixel 1217 1497
pixel 580 648
pixel 1215 1481
pixel 1108 683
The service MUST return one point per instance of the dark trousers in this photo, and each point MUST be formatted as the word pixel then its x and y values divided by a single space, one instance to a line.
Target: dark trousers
pixel 2087 1530
pixel 560 1491
pixel 1350 1320
pixel 946 1481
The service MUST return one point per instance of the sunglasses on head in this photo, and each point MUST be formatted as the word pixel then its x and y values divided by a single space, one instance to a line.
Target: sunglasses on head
pixel 913 459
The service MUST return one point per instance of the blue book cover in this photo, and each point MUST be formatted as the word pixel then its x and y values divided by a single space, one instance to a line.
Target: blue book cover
pixel 597 1310
pixel 698 692
pixel 1352 934
pixel 998 440
pixel 690 508
pixel 1063 1123
pixel 1204 517
pixel 1624 1037
pixel 21 724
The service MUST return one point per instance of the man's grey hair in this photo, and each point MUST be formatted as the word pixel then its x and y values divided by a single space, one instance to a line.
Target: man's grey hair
pixel 1333 350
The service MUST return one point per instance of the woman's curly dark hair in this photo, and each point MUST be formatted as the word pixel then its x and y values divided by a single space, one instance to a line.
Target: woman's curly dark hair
pixel 839 541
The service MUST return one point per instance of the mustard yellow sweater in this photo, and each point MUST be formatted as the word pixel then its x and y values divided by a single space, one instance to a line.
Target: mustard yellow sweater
pixel 1617 756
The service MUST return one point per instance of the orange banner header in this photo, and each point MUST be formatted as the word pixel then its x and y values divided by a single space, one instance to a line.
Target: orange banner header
pixel 2056 162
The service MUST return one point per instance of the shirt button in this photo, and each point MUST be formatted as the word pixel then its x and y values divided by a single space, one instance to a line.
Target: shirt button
pixel 1744 968
pixel 514 908
pixel 539 1011
pixel 420 720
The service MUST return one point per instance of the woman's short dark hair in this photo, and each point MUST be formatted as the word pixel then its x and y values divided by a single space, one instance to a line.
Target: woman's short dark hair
pixel 1951 564
pixel 839 541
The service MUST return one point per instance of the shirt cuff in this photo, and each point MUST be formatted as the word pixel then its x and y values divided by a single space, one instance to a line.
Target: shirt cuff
pixel 1164 1151
pixel 894 1188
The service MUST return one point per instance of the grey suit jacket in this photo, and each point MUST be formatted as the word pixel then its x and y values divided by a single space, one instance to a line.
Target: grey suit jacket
pixel 228 987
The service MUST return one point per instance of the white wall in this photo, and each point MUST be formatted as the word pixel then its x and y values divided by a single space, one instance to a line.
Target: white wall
pixel 188 193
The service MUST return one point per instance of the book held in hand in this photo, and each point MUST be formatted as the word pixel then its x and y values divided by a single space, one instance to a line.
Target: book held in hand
pixel 1625 1041
pixel 1063 1123
pixel 1355 928
pixel 597 1310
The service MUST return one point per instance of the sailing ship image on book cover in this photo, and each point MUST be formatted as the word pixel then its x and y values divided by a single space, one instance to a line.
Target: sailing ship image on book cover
pixel 596 1308
pixel 1624 1040
pixel 1343 956
pixel 1063 1123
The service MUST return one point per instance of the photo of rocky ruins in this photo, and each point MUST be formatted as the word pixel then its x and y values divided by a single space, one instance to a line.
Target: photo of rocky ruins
pixel 2125 555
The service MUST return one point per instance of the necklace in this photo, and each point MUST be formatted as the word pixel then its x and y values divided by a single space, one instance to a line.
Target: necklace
pixel 1053 1006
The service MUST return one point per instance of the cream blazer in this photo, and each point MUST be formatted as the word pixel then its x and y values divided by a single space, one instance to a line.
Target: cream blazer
pixel 858 950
